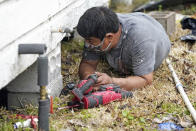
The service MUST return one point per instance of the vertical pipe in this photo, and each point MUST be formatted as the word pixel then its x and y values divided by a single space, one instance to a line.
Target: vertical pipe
pixel 42 71
pixel 43 115
pixel 44 103
pixel 181 90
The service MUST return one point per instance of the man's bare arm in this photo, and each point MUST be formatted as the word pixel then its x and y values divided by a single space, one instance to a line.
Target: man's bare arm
pixel 87 68
pixel 134 82
pixel 128 83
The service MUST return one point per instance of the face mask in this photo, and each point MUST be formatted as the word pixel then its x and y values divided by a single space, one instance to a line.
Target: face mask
pixel 107 48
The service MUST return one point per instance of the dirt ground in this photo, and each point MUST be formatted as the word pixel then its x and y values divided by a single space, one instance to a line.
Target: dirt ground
pixel 149 106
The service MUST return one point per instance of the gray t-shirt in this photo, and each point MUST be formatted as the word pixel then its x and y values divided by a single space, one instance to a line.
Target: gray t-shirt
pixel 142 47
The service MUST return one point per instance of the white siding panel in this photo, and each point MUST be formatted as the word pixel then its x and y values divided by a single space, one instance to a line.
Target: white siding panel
pixel 19 17
pixel 31 21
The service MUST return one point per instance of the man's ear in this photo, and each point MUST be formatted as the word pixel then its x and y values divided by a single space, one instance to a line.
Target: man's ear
pixel 109 36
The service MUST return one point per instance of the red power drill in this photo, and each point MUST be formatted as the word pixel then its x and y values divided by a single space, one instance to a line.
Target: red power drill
pixel 84 87
pixel 106 94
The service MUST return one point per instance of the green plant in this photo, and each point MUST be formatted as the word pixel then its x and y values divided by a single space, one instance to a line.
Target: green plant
pixel 160 8
pixel 189 10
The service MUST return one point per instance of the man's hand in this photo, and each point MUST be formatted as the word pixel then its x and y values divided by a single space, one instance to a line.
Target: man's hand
pixel 103 79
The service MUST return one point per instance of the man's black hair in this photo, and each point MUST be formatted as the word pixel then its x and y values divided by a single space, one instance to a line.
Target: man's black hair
pixel 97 22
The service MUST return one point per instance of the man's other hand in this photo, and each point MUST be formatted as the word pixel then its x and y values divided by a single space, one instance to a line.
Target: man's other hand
pixel 103 79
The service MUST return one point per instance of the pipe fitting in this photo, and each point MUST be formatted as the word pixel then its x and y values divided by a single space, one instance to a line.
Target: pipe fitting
pixel 62 30
pixel 67 31
pixel 32 48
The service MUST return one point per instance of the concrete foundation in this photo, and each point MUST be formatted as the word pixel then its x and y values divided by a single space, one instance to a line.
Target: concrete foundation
pixel 24 89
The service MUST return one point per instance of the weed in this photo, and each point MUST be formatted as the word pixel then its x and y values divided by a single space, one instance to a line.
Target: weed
pixel 160 8
pixel 85 114
pixel 189 10
pixel 171 107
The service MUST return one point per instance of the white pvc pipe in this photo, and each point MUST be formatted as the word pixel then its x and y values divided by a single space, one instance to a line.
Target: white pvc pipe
pixel 181 90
